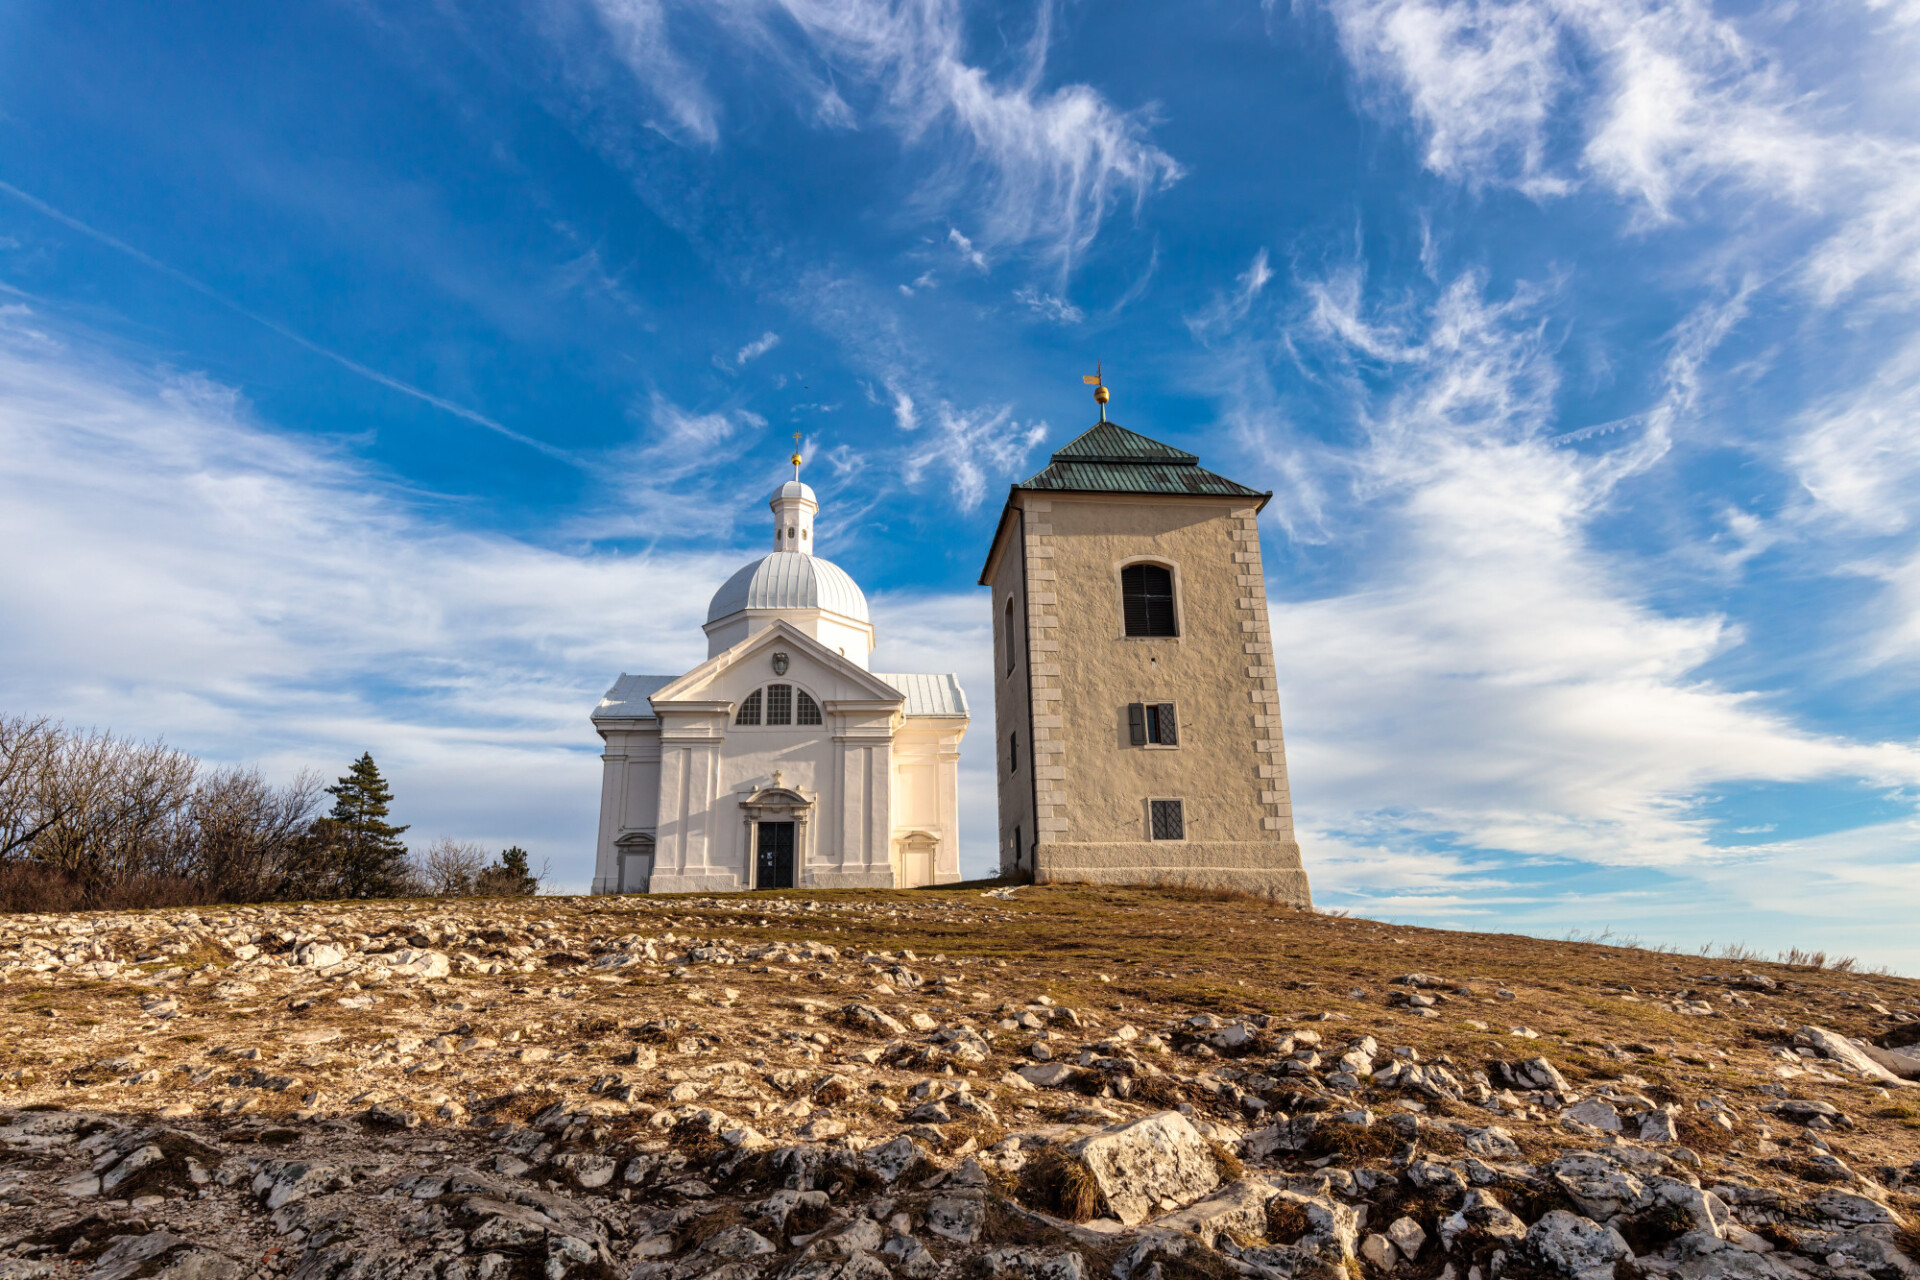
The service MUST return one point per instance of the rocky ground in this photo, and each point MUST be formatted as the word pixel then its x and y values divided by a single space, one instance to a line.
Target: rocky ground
pixel 1051 1083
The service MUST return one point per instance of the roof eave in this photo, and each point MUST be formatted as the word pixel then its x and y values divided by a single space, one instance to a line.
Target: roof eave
pixel 999 533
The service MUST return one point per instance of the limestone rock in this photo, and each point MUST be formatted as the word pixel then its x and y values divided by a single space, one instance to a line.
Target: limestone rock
pixel 1576 1247
pixel 1239 1208
pixel 956 1219
pixel 1830 1044
pixel 1032 1264
pixel 1141 1166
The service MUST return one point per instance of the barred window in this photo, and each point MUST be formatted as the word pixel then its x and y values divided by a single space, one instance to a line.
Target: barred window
pixel 809 709
pixel 749 710
pixel 1153 722
pixel 1146 600
pixel 779 704
pixel 1169 819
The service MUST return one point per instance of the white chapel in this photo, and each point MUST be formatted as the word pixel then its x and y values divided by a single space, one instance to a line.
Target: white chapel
pixel 781 761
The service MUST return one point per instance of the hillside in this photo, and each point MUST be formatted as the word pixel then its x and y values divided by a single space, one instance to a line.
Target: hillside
pixel 1047 1082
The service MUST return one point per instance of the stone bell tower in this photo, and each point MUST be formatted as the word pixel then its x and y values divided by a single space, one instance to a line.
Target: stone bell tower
pixel 1135 700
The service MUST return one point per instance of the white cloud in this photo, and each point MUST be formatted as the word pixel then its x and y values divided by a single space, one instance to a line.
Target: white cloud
pixel 638 29
pixel 1037 167
pixel 966 445
pixel 1859 456
pixel 1495 685
pixel 1047 306
pixel 1229 309
pixel 179 570
pixel 970 255
pixel 1658 101
pixel 1480 78
pixel 758 347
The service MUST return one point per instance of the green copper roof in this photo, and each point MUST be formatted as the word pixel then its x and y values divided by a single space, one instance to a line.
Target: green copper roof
pixel 1108 458
pixel 1111 442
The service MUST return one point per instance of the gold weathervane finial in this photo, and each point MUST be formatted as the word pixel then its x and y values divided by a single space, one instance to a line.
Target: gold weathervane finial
pixel 796 455
pixel 1100 393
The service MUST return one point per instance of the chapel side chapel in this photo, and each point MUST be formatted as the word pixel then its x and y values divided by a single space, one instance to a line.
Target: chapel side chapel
pixel 781 761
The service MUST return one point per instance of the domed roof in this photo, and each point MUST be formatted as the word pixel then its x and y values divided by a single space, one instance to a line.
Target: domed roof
pixel 790 580
pixel 795 489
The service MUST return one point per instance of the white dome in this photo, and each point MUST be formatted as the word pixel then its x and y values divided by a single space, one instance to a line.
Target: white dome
pixel 790 580
pixel 795 489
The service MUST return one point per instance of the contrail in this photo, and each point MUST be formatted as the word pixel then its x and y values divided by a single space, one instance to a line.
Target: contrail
pixel 207 291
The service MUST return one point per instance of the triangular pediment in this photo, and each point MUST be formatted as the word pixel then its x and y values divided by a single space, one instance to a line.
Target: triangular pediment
pixel 704 682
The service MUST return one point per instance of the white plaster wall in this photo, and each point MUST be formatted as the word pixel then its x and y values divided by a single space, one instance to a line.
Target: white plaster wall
pixel 684 780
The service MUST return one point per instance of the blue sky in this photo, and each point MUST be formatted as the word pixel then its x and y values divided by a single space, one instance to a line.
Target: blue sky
pixel 389 376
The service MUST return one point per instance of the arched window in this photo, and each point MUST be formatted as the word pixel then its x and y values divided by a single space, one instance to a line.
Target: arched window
pixel 779 704
pixel 1146 600
pixel 1009 631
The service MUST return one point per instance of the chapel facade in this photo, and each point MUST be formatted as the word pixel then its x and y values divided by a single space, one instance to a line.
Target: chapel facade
pixel 781 761
pixel 1136 712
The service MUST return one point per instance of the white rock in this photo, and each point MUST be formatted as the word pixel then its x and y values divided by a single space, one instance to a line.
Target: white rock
pixel 1837 1047
pixel 1575 1246
pixel 1408 1236
pixel 956 1218
pixel 1239 1209
pixel 1379 1250
pixel 1046 1075
pixel 1140 1165
pixel 1597 1112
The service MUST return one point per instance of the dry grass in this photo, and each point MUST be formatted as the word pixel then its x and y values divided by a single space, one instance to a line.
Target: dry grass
pixel 1699 1133
pixel 1353 1144
pixel 1059 1182
pixel 1286 1221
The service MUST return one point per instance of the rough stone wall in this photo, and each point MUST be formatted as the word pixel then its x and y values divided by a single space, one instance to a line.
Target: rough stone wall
pixel 1229 768
pixel 1012 706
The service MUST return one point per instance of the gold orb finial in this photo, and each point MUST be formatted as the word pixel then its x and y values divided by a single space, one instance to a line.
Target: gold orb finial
pixel 1098 381
pixel 796 459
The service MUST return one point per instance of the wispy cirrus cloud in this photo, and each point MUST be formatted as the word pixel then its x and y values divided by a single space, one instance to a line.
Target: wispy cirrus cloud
pixel 757 348
pixel 1038 167
pixel 1493 686
pixel 261 598
pixel 1659 102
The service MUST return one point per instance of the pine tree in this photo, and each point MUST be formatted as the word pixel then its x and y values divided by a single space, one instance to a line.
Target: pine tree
pixel 372 862
pixel 509 876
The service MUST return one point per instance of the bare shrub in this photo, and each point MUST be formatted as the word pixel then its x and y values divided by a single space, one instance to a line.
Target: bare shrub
pixel 92 821
pixel 449 868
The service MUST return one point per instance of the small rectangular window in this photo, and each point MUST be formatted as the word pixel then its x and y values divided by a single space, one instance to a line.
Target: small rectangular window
pixel 1153 722
pixel 1016 847
pixel 1169 819
pixel 1013 753
pixel 779 704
